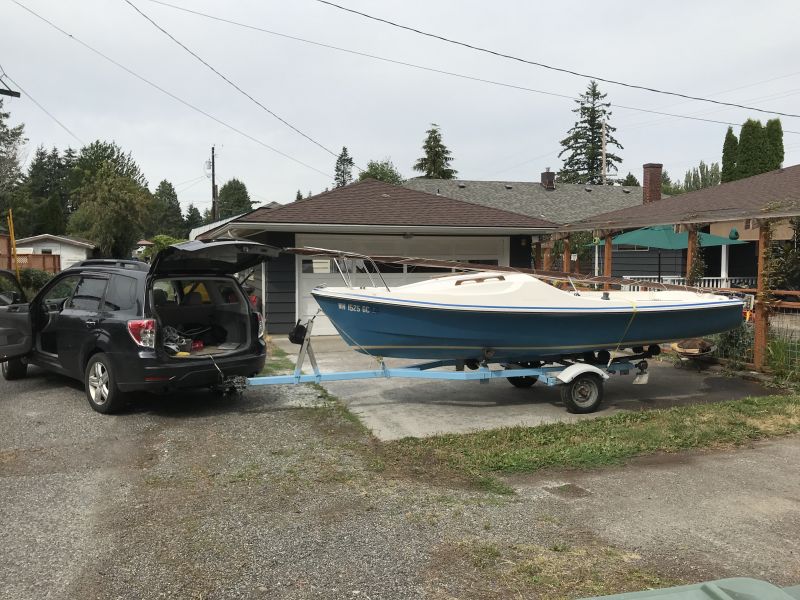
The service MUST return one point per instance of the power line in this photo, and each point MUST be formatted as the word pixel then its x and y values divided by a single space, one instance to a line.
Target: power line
pixel 435 70
pixel 42 108
pixel 228 80
pixel 168 93
pixel 551 67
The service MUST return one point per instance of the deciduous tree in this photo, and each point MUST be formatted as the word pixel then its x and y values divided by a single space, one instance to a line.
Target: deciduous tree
pixel 436 162
pixel 111 212
pixel 382 170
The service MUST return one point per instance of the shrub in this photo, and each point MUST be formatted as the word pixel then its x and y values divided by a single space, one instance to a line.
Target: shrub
pixel 34 279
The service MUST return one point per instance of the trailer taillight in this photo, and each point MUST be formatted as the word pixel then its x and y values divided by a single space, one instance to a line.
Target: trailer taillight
pixel 143 332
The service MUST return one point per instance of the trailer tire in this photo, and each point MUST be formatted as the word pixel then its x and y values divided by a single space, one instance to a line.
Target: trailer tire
pixel 583 394
pixel 522 382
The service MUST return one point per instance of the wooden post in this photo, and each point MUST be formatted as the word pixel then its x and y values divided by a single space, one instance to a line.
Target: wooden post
pixel 566 262
pixel 690 252
pixel 607 258
pixel 761 320
pixel 537 255
pixel 547 261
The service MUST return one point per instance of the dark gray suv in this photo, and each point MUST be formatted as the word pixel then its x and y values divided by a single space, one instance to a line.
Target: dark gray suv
pixel 182 321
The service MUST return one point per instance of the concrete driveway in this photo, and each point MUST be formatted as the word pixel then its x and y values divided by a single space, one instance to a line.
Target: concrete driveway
pixel 399 408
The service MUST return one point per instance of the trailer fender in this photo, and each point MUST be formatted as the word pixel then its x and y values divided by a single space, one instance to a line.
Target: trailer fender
pixel 572 371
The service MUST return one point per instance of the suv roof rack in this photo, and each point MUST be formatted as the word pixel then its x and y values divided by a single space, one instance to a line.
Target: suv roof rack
pixel 134 265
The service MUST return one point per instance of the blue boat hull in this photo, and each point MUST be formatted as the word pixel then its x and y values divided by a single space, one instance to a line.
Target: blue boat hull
pixel 398 331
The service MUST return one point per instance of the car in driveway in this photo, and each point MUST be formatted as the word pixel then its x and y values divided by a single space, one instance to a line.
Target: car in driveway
pixel 182 321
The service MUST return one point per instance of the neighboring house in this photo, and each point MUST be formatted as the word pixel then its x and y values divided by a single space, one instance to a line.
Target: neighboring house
pixel 565 203
pixel 69 250
pixel 141 248
pixel 373 217
pixel 734 205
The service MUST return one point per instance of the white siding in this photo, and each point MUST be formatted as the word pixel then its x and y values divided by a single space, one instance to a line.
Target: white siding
pixel 70 254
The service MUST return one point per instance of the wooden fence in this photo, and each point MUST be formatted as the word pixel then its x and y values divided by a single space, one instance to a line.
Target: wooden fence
pixel 44 262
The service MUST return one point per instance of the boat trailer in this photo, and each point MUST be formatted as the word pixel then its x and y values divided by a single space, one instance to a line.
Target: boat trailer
pixel 581 382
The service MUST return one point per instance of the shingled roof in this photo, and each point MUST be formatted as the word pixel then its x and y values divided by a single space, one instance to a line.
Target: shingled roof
pixel 775 194
pixel 371 202
pixel 568 203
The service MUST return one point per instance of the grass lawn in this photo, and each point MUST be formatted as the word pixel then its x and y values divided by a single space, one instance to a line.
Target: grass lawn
pixel 278 362
pixel 593 443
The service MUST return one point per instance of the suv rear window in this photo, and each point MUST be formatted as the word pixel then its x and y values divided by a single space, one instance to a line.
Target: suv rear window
pixel 121 295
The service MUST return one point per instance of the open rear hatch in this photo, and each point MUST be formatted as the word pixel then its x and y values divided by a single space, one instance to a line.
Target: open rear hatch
pixel 200 309
pixel 215 257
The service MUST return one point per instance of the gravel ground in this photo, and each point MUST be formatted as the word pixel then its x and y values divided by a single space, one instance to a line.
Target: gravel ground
pixel 276 495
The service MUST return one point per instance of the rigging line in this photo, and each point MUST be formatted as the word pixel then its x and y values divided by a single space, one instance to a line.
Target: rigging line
pixel 551 67
pixel 435 70
pixel 42 108
pixel 170 94
pixel 228 80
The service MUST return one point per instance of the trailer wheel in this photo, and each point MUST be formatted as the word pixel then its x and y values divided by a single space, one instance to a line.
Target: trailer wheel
pixel 583 394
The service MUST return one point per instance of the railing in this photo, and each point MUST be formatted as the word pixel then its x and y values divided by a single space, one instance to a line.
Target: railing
pixel 705 282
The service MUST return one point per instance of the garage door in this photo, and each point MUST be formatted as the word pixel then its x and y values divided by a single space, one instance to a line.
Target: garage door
pixel 313 272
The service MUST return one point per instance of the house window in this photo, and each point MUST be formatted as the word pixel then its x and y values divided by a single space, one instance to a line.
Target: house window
pixel 46 251
pixel 750 224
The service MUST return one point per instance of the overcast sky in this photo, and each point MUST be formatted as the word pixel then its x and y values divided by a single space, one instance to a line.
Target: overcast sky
pixel 381 110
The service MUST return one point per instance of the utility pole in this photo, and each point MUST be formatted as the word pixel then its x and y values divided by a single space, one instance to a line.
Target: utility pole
pixel 604 151
pixel 214 207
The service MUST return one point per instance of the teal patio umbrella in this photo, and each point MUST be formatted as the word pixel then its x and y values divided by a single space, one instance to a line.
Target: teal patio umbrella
pixel 663 237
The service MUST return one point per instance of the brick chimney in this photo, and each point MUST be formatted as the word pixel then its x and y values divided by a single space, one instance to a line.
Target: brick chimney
pixel 651 183
pixel 548 179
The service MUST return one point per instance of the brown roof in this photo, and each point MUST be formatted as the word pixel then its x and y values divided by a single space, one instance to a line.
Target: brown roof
pixel 372 202
pixel 774 194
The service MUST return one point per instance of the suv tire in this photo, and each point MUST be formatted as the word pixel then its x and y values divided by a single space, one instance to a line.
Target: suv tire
pixel 13 368
pixel 100 383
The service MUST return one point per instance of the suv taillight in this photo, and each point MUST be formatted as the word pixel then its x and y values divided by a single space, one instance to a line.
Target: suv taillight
pixel 143 332
pixel 261 329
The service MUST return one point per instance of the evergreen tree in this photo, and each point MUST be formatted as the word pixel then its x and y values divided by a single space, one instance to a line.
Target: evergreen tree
pixel 343 171
pixel 436 162
pixel 668 187
pixel 193 219
pixel 584 142
pixel 753 156
pixel 774 133
pixel 730 148
pixel 701 177
pixel 298 196
pixel 168 219
pixel 40 202
pixel 383 170
pixel 630 180
pixel 11 141
pixel 233 199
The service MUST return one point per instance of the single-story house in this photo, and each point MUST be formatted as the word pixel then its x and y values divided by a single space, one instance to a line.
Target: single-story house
pixel 70 249
pixel 565 203
pixel 373 217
